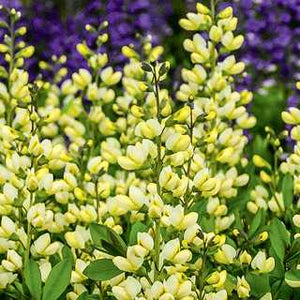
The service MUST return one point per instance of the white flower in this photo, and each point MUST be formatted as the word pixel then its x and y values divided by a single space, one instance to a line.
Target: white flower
pixel 262 264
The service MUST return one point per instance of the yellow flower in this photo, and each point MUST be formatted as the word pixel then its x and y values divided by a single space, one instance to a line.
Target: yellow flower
pixel 242 287
pixel 225 255
pixel 262 264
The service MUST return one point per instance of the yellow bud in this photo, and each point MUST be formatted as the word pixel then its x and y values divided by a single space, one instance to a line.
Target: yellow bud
pixel 22 30
pixel 265 177
pixel 215 34
pixel 83 49
pixel 129 52
pixel 137 111
pixel 79 194
pixel 245 258
pixel 202 9
pixel 211 115
pixel 3 48
pixel 213 278
pixel 243 287
pixel 260 162
pixel 246 97
pixel 263 236
pixel 296 220
pixel 226 13
pixel 27 52
pixel 199 263
pixel 236 232
pixel 156 52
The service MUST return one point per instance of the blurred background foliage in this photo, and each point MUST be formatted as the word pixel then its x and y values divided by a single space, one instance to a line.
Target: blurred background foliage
pixel 271 50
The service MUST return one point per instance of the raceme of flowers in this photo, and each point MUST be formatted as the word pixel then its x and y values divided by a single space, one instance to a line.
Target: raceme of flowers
pixel 113 188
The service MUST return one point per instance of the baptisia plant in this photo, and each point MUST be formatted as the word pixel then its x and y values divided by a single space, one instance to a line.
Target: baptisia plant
pixel 113 188
pixel 183 159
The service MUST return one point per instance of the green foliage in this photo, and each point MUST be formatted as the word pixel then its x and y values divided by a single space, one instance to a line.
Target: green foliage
pixel 107 240
pixel 102 269
pixel 58 280
pixel 279 238
pixel 33 279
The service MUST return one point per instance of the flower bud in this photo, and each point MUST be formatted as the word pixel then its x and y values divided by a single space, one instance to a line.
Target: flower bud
pixel 242 287
pixel 226 13
pixel 259 161
pixel 215 34
pixel 245 258
pixel 202 9
pixel 265 177
pixel 296 220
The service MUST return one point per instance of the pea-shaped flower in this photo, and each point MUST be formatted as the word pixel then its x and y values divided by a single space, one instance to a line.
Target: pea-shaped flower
pixel 178 142
pixel 263 264
pixel 127 289
pixel 225 255
pixel 148 129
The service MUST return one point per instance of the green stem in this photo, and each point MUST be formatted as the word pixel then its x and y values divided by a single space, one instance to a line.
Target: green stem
pixel 201 276
pixel 98 201
pixel 186 196
pixel 158 170
pixel 213 9
pixel 12 45
pixel 27 251
pixel 10 109
pixel 157 250
pixel 100 290
pixel 279 288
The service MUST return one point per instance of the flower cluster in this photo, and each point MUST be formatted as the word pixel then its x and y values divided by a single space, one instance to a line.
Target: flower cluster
pixel 55 36
pixel 113 187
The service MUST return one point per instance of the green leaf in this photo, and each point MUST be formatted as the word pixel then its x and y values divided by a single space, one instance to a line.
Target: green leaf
pixel 279 238
pixel 83 296
pixel 259 284
pixel 14 237
pixel 278 271
pixel 102 269
pixel 294 250
pixel 58 280
pixel 3 72
pixel 20 288
pixel 282 290
pixel 135 229
pixel 33 279
pixel 288 190
pixel 67 254
pixel 146 67
pixel 259 146
pixel 292 278
pixel 267 108
pixel 86 296
pixel 107 239
pixel 257 221
pixel 238 221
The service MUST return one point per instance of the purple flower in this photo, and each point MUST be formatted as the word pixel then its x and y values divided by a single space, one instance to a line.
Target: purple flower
pixel 272 39
pixel 52 34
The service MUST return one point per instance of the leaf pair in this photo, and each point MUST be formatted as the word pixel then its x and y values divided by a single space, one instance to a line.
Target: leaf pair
pixel 107 240
pixel 56 283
